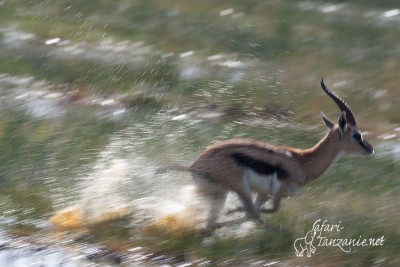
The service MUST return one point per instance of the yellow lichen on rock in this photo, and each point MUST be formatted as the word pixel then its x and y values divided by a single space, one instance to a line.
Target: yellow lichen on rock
pixel 75 217
pixel 69 218
pixel 176 225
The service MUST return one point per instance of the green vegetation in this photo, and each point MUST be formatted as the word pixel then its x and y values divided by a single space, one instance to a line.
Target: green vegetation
pixel 131 51
pixel 340 46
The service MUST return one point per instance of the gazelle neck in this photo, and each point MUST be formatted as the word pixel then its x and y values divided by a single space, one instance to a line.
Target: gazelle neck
pixel 318 158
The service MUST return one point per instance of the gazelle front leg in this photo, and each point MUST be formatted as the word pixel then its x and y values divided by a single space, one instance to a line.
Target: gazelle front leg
pixel 260 200
pixel 258 203
pixel 244 192
pixel 246 197
pixel 278 192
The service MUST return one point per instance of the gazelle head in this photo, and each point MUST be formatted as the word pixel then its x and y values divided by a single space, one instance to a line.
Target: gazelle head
pixel 350 137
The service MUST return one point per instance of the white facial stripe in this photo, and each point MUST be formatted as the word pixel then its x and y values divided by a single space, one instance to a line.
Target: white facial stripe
pixel 357 136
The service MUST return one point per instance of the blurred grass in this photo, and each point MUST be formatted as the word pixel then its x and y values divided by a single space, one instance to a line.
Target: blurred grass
pixel 359 192
pixel 342 46
pixel 38 157
pixel 267 34
pixel 294 50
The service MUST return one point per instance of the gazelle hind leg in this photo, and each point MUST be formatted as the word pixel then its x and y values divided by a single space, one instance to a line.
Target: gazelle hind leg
pixel 214 197
pixel 217 202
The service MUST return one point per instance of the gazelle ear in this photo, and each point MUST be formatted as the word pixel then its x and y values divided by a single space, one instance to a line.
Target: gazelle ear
pixel 326 121
pixel 342 122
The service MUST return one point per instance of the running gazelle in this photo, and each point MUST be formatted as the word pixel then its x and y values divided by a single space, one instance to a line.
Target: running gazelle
pixel 245 165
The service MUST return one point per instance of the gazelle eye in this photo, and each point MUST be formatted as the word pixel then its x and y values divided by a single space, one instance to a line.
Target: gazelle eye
pixel 357 137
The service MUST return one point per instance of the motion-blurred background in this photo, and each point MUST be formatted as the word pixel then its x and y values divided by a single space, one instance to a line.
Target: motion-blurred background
pixel 95 94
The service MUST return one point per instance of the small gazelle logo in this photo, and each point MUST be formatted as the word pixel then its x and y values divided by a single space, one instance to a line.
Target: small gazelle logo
pixel 305 244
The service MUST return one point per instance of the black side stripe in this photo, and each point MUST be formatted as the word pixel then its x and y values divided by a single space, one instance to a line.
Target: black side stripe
pixel 260 167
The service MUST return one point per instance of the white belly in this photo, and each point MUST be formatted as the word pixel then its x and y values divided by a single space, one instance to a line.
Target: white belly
pixel 263 184
pixel 267 184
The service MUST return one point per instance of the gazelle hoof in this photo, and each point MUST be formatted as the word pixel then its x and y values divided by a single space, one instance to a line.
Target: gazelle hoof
pixel 238 209
pixel 269 210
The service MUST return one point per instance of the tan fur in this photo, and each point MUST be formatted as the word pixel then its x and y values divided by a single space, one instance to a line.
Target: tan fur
pixel 217 168
pixel 273 171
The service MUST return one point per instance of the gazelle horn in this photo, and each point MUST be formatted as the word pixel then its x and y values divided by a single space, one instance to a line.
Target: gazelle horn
pixel 341 104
